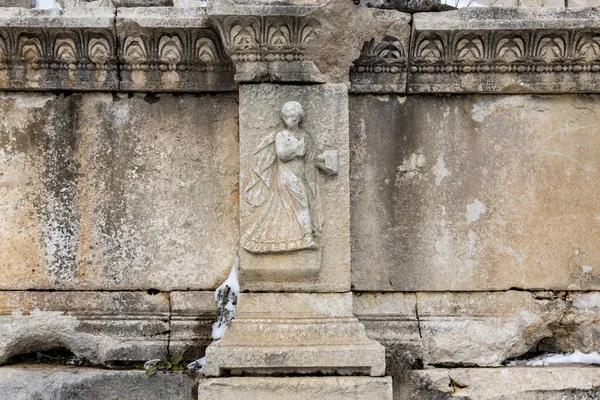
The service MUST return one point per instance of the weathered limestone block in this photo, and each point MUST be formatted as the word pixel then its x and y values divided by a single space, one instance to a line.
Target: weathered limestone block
pixel 192 317
pixel 62 383
pixel 505 50
pixel 54 49
pixel 515 383
pixel 523 3
pixel 101 327
pixel 580 327
pixel 299 242
pixel 475 193
pixel 474 328
pixel 483 329
pixel 313 388
pixel 170 50
pixel 361 39
pixel 383 61
pixel 391 319
pixel 17 3
pixel 583 3
pixel 104 193
pixel 142 3
pixel 402 5
pixel 295 333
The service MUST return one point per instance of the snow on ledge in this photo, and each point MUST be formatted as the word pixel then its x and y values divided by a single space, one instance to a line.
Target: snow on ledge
pixel 577 357
pixel 47 4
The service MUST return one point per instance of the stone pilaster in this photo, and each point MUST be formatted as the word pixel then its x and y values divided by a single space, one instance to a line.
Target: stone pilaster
pixel 296 315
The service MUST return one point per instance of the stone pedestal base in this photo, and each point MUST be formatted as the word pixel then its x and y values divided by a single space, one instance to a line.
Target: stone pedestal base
pixel 295 333
pixel 310 388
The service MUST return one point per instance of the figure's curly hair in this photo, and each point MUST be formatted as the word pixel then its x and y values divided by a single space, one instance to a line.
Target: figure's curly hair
pixel 292 107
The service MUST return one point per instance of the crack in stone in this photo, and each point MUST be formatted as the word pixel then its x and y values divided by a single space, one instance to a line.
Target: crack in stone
pixel 417 315
pixel 168 296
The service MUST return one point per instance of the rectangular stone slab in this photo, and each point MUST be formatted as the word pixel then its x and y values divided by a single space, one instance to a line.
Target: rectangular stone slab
pixel 59 382
pixel 313 388
pixel 475 192
pixel 326 268
pixel 105 193
pixel 569 382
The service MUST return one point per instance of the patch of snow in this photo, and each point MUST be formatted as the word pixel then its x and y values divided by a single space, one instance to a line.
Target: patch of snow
pixel 47 4
pixel 226 296
pixel 190 3
pixel 576 357
pixel 198 365
pixel 586 269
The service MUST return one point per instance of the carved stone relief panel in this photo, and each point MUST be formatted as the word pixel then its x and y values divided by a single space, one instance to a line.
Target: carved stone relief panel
pixel 283 184
pixel 294 215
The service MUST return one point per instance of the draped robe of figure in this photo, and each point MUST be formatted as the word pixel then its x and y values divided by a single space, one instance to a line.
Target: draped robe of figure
pixel 283 186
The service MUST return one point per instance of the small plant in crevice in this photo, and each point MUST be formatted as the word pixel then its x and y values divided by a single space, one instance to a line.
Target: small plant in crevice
pixel 170 363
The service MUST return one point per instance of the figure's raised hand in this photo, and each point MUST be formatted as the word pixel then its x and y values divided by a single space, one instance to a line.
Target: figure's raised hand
pixel 328 162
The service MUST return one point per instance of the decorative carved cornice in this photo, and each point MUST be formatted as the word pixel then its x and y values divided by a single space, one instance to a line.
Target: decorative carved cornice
pixel 381 67
pixel 269 48
pixel 171 50
pixel 174 60
pixel 57 53
pixel 188 50
pixel 505 50
pixel 149 50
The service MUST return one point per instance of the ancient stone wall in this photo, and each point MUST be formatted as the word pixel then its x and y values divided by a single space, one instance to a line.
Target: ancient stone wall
pixel 408 194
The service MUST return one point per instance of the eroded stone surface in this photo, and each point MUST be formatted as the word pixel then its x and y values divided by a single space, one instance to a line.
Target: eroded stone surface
pixel 475 192
pixel 314 388
pixel 582 3
pixel 62 383
pixel 483 329
pixel 518 383
pixel 17 3
pixel 101 327
pixel 580 327
pixel 107 193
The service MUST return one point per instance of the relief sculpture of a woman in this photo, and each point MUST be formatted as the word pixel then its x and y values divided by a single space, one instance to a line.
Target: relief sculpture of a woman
pixel 283 187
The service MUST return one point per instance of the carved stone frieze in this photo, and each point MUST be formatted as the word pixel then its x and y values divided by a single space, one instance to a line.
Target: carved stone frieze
pixel 505 50
pixel 156 49
pixel 270 48
pixel 171 50
pixel 381 67
pixel 71 52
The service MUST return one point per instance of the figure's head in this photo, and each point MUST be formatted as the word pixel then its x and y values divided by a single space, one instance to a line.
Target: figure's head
pixel 292 113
